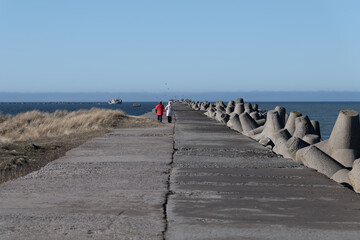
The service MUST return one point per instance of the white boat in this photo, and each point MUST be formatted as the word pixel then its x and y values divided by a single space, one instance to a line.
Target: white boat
pixel 115 101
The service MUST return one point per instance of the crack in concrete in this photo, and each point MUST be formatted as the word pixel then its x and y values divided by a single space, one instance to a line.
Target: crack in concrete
pixel 169 192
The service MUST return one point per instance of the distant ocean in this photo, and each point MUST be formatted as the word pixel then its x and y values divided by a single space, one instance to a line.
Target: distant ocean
pixel 324 112
pixel 127 107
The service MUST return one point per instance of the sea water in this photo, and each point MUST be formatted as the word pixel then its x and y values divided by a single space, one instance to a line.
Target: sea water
pixel 324 112
pixel 127 107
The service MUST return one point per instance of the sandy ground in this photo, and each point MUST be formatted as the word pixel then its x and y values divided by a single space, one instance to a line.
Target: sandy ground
pixel 20 158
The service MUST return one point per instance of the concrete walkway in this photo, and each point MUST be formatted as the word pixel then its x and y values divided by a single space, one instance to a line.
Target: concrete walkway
pixel 112 187
pixel 226 186
pixel 222 186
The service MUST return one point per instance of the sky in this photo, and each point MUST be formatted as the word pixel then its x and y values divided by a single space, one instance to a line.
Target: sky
pixel 179 45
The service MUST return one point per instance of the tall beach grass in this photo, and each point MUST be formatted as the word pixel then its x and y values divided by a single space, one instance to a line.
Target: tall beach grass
pixel 35 124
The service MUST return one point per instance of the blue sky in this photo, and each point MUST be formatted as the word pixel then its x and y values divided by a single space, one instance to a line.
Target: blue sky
pixel 184 45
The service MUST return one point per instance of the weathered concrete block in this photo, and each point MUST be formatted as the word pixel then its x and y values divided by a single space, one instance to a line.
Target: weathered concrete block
pixel 341 176
pixel 292 146
pixel 303 127
pixel 282 112
pixel 239 108
pixel 248 108
pixel 272 125
pixel 204 106
pixel 255 115
pixel 212 113
pixel 313 157
pixel 290 123
pixel 220 104
pixel 220 108
pixel 234 123
pixel 316 126
pixel 344 140
pixel 255 132
pixel 239 100
pixel 311 138
pixel 247 122
pixel 209 112
pixel 354 176
pixel 223 117
pixel 256 107
pixel 261 121
pixel 281 137
pixel 266 142
pixel 230 107
pixel 231 103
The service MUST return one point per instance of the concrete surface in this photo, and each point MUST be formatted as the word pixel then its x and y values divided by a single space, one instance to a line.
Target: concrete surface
pixel 112 187
pixel 226 186
pixel 223 185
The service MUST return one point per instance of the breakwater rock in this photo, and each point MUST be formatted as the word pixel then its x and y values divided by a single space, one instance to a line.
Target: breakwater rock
pixel 295 136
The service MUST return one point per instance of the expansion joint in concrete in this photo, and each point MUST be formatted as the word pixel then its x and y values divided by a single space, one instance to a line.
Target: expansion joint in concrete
pixel 169 192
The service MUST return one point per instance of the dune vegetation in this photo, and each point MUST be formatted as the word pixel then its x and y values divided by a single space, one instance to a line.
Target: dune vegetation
pixel 34 124
pixel 30 140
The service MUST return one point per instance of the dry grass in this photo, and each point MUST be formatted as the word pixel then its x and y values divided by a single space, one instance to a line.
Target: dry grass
pixel 35 124
pixel 28 141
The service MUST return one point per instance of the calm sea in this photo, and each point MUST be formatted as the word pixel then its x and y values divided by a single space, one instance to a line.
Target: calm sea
pixel 127 107
pixel 324 112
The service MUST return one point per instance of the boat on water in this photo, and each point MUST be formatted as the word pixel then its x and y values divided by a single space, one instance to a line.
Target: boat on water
pixel 115 101
pixel 136 105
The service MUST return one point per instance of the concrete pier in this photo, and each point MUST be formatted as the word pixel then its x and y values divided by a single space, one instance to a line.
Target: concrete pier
pixel 194 179
pixel 112 187
pixel 226 186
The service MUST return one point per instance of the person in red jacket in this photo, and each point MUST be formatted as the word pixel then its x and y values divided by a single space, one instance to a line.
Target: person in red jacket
pixel 159 111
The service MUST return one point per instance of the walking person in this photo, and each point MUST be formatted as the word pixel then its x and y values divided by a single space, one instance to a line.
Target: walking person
pixel 159 111
pixel 169 111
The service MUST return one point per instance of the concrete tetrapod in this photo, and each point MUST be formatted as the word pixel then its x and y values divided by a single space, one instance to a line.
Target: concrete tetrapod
pixel 341 176
pixel 222 117
pixel 239 100
pixel 248 108
pixel 255 115
pixel 234 123
pixel 239 108
pixel 230 107
pixel 303 127
pixel 344 142
pixel 220 108
pixel 313 157
pixel 212 113
pixel 311 138
pixel 272 125
pixel 316 126
pixel 217 115
pixel 255 131
pixel 261 121
pixel 204 106
pixel 290 123
pixel 292 146
pixel 354 176
pixel 220 104
pixel 247 122
pixel 209 112
pixel 282 112
pixel 280 139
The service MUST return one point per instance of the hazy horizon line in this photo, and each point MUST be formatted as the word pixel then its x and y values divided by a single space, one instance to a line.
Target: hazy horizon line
pixel 261 96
